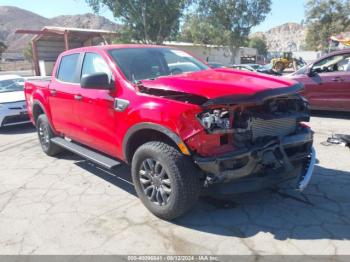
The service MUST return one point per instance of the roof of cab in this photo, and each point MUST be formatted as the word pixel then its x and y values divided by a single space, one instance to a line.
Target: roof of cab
pixel 109 47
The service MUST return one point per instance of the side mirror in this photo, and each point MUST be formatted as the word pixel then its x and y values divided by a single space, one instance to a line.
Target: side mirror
pixel 96 81
pixel 310 72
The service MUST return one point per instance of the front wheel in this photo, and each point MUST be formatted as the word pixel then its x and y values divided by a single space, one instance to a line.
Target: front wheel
pixel 45 134
pixel 165 180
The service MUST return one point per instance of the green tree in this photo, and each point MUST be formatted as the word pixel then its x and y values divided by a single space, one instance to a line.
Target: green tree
pixel 124 36
pixel 259 43
pixel 325 18
pixel 28 52
pixel 2 48
pixel 148 21
pixel 233 19
pixel 197 29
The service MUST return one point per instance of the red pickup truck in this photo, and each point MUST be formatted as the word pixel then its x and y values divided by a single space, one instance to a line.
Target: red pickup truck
pixel 184 128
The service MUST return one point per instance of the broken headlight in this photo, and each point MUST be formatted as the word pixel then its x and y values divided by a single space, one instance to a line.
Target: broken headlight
pixel 216 120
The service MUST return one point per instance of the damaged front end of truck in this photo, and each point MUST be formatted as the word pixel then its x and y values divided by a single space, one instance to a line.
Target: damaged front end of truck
pixel 261 141
pixel 250 142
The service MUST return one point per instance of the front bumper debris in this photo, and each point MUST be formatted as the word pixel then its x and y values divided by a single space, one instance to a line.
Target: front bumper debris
pixel 304 179
pixel 262 166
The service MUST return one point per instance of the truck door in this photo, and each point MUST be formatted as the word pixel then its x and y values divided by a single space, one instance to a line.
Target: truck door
pixel 63 88
pixel 94 111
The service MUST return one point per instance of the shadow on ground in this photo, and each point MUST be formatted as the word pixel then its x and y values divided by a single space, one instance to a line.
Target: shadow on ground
pixel 17 129
pixel 119 177
pixel 330 114
pixel 321 212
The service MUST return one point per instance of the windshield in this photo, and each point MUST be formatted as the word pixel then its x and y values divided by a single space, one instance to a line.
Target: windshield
pixel 11 85
pixel 301 71
pixel 149 63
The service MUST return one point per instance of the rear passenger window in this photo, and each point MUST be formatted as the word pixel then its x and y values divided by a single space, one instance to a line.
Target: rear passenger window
pixel 67 70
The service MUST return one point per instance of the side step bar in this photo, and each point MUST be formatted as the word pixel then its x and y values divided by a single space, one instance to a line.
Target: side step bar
pixel 84 152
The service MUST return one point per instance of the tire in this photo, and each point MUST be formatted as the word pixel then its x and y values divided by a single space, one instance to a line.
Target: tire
pixel 45 134
pixel 179 185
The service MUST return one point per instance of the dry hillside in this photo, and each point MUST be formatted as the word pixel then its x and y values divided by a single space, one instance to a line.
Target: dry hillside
pixel 13 18
pixel 286 37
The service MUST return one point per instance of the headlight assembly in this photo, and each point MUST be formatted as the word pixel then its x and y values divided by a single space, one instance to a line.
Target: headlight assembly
pixel 216 120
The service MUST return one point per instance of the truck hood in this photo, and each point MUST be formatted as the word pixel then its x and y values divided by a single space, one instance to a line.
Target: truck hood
pixel 10 97
pixel 223 85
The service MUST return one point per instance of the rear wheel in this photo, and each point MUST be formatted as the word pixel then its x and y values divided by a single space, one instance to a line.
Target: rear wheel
pixel 165 180
pixel 45 134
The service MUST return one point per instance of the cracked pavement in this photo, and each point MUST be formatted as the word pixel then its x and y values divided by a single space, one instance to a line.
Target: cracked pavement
pixel 67 205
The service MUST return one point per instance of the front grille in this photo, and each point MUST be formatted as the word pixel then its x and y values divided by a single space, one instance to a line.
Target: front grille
pixel 15 119
pixel 273 127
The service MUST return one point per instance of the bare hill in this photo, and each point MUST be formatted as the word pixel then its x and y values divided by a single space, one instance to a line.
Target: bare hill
pixel 13 18
pixel 286 37
pixel 90 21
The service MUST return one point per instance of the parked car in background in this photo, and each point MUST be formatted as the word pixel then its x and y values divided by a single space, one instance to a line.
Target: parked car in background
pixel 13 109
pixel 215 65
pixel 327 81
pixel 256 68
pixel 222 131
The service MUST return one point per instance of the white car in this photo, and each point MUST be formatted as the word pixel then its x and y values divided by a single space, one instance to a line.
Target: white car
pixel 13 107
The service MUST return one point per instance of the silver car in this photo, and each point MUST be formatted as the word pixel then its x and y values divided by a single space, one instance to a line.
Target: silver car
pixel 13 108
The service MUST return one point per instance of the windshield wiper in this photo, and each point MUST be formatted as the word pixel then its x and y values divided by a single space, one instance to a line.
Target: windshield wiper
pixel 139 82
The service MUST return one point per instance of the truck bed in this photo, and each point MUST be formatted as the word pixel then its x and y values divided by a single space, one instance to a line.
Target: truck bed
pixel 37 83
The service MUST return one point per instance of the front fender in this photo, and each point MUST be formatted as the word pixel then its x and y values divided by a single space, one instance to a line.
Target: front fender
pixel 156 127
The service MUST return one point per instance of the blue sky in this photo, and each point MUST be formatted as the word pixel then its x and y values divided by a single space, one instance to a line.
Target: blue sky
pixel 282 10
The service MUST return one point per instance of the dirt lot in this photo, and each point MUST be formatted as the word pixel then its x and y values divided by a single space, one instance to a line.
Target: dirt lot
pixel 67 205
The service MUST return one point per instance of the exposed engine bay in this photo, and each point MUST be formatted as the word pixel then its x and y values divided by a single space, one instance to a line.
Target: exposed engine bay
pixel 275 117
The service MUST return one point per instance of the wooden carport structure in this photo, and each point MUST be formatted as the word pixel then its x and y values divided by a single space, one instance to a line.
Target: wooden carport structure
pixel 50 41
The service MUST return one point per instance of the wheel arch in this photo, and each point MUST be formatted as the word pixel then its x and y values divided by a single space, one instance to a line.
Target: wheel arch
pixel 142 133
pixel 37 110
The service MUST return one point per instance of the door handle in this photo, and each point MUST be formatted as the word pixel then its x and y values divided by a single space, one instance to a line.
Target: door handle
pixel 78 97
pixel 53 92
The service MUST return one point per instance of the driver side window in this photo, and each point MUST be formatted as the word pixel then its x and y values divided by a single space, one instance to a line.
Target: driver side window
pixel 94 63
pixel 337 63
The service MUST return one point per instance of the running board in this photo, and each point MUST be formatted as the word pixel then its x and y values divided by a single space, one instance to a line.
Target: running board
pixel 84 152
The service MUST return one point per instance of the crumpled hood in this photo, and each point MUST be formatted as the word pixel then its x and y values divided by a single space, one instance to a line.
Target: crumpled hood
pixel 10 97
pixel 216 83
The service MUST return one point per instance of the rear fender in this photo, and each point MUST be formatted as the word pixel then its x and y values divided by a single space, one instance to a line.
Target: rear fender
pixel 40 98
